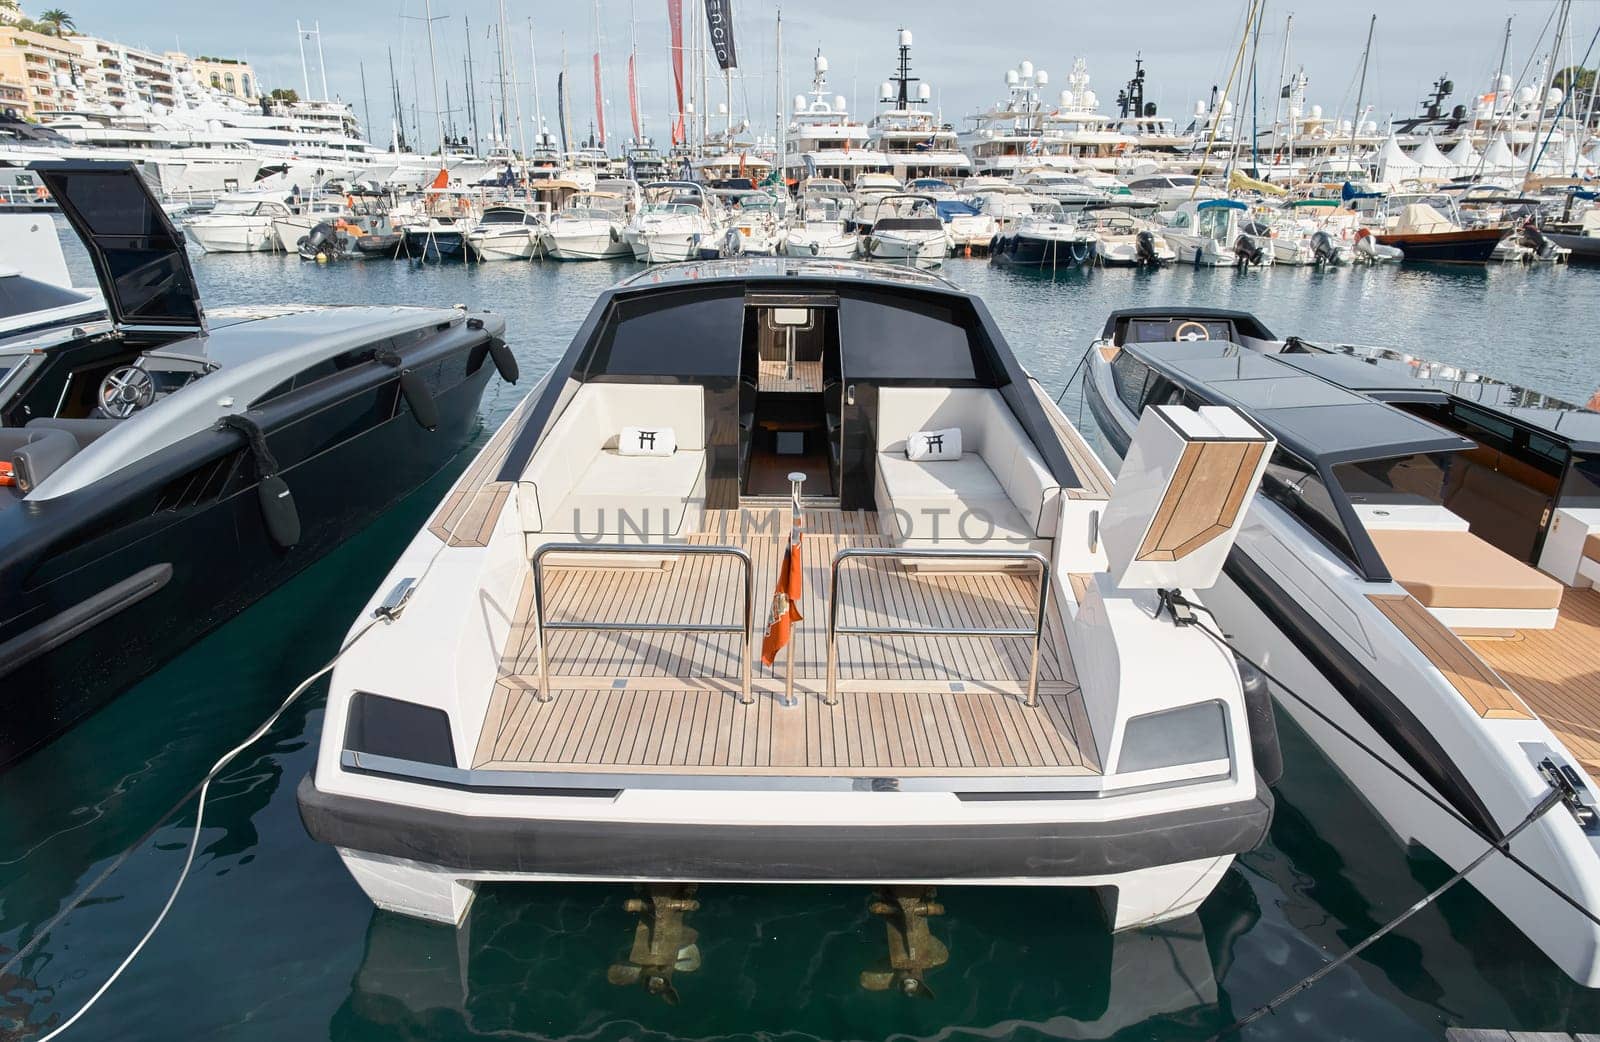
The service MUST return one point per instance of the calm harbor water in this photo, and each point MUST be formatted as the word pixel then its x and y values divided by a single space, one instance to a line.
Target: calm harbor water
pixel 272 940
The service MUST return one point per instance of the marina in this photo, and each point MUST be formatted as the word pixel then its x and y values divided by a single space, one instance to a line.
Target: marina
pixel 842 570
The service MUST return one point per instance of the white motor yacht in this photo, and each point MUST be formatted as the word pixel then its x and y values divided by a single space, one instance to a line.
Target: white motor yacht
pixel 507 232
pixel 588 227
pixel 913 142
pixel 1419 569
pixel 575 676
pixel 823 141
pixel 907 228
pixel 289 230
pixel 1122 240
pixel 821 228
pixel 676 218
pixel 240 223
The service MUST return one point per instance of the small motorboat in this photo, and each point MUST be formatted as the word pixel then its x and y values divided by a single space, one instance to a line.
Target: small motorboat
pixel 1427 230
pixel 1122 240
pixel 1048 238
pixel 1209 233
pixel 822 228
pixel 587 227
pixel 163 469
pixel 508 232
pixel 907 228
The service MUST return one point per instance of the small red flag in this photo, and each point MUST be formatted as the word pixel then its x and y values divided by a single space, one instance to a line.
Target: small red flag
pixel 442 180
pixel 785 603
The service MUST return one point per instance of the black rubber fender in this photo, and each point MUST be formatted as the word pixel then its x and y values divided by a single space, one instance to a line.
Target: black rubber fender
pixel 278 511
pixel 423 407
pixel 504 360
pixel 1264 747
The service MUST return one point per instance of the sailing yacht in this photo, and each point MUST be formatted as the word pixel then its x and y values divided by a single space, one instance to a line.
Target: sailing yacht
pixel 574 683
pixel 822 140
pixel 913 141
pixel 1419 567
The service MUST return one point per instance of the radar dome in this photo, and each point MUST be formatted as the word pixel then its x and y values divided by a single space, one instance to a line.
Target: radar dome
pixel 1199 108
pixel 821 64
pixel 1041 77
pixel 1091 99
pixel 722 109
pixel 1066 98
pixel 799 102
pixel 1011 77
pixel 905 37
pixel 1227 108
pixel 884 92
pixel 1505 82
pixel 1316 112
pixel 1554 97
pixel 1525 96
pixel 1026 68
pixel 924 92
pixel 838 102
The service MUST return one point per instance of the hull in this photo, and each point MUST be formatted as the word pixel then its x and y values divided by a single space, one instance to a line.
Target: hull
pixel 446 245
pixel 207 563
pixel 250 235
pixel 667 247
pixel 925 250
pixel 1469 246
pixel 583 246
pixel 520 246
pixel 1202 253
pixel 838 247
pixel 1029 251
pixel 1585 249
pixel 290 230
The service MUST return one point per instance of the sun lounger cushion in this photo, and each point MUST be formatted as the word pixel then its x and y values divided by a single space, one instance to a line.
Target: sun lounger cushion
pixel 1459 570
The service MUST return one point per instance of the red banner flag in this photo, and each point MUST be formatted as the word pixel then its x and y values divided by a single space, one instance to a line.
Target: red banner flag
pixel 599 101
pixel 633 100
pixel 675 22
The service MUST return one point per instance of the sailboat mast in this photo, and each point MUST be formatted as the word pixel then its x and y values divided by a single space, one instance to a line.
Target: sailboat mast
pixel 1283 85
pixel 305 77
pixel 508 58
pixel 782 136
pixel 322 65
pixel 538 107
pixel 433 62
pixel 472 94
pixel 366 106
pixel 1544 97
pixel 1355 122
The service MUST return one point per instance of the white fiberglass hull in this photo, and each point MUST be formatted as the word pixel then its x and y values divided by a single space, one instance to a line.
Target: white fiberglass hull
pixel 1201 252
pixel 591 241
pixel 838 246
pixel 232 234
pixel 517 244
pixel 925 249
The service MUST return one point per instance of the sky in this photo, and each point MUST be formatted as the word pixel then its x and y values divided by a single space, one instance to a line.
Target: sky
pixel 961 50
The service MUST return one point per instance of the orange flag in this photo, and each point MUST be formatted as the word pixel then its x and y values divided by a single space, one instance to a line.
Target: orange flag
pixel 785 602
pixel 442 180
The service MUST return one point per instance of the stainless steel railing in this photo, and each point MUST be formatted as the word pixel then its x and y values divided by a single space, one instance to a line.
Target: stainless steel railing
pixel 1036 633
pixel 674 550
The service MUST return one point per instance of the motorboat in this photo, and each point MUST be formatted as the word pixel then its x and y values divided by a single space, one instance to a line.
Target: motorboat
pixel 438 231
pixel 1065 190
pixel 574 682
pixel 1316 232
pixel 508 231
pixel 291 228
pixel 1419 569
pixel 870 190
pixel 760 220
pixel 677 216
pixel 1209 233
pixel 162 470
pixel 823 141
pixel 969 227
pixel 1580 237
pixel 912 140
pixel 907 228
pixel 1122 240
pixel 240 223
pixel 1048 237
pixel 1427 229
pixel 588 227
pixel 36 290
pixel 821 228
pixel 1168 190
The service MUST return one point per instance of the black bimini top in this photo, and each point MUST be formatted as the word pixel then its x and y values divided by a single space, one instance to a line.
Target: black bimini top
pixel 1390 376
pixel 1312 416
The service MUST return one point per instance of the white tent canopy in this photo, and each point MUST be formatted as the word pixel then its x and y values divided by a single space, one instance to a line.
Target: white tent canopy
pixel 1393 164
pixel 1498 157
pixel 1428 156
pixel 1464 157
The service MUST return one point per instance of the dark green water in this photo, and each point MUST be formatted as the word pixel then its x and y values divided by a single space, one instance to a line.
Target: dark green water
pixel 271 940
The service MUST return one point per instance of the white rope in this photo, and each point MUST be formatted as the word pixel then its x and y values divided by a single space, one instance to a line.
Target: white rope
pixel 199 821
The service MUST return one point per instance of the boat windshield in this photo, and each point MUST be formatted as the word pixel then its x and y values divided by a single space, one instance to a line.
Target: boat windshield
pixel 504 217
pixel 235 207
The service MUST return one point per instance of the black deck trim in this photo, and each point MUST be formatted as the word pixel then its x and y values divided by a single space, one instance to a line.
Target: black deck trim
pixel 86 614
pixel 612 849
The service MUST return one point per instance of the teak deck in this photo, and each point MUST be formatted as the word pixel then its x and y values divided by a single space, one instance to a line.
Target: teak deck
pixel 774 376
pixel 669 701
pixel 1557 672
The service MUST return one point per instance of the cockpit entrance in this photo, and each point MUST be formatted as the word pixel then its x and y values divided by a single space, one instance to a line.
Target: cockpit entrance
pixel 790 396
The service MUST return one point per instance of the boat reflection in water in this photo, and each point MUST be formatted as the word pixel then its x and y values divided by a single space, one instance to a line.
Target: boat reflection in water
pixel 793 968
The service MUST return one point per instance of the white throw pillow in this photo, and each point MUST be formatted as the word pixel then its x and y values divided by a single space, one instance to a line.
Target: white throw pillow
pixel 647 441
pixel 925 446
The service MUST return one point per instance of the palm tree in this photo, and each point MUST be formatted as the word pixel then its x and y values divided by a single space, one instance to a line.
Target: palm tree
pixel 60 22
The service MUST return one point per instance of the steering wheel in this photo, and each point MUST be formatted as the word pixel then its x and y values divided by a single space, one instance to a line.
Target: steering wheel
pixel 125 390
pixel 1191 331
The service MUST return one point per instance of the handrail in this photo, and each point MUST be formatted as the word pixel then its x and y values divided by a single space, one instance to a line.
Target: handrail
pixel 1037 632
pixel 655 550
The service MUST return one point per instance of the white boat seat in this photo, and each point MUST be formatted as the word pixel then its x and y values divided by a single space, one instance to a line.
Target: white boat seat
pixel 632 499
pixel 950 504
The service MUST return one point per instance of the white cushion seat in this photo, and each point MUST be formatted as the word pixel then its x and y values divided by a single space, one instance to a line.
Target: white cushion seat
pixel 621 498
pixel 950 505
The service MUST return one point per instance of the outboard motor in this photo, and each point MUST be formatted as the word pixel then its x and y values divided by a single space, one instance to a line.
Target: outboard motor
pixel 1145 249
pixel 1247 251
pixel 321 243
pixel 1323 250
pixel 732 243
pixel 1536 241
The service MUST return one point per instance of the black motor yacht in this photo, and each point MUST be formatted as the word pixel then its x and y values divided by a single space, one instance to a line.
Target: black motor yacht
pixel 162 469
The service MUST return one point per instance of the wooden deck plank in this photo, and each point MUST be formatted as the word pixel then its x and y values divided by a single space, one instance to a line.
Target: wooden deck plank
pixel 1557 672
pixel 1489 696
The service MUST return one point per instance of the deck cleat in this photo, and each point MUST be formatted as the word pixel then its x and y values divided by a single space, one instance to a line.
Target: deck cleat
pixel 663 944
pixel 913 950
